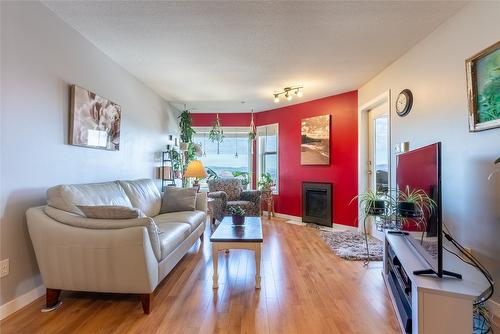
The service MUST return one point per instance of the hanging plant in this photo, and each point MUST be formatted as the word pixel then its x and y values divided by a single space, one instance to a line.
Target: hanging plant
pixel 186 126
pixel 216 135
pixel 252 134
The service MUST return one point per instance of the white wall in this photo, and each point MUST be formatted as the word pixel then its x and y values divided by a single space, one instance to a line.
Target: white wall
pixel 41 57
pixel 435 72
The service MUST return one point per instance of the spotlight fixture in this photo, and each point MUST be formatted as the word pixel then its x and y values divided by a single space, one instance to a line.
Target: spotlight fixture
pixel 287 93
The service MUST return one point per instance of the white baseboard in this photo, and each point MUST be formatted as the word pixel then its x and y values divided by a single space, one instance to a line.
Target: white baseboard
pixel 299 219
pixel 21 301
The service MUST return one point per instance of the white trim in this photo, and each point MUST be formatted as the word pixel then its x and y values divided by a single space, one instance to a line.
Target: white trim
pixel 493 307
pixel 299 220
pixel 363 141
pixel 21 301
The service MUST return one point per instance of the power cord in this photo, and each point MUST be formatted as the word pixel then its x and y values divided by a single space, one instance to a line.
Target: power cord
pixel 473 262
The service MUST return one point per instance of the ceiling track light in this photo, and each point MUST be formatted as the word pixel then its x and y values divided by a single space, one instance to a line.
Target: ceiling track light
pixel 287 93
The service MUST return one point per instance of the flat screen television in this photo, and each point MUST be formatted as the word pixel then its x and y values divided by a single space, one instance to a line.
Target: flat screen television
pixel 421 169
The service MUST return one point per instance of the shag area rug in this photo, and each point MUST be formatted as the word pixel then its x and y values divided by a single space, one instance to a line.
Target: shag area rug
pixel 351 245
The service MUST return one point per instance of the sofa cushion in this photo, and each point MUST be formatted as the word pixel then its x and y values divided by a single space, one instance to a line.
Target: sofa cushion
pixel 110 212
pixel 66 197
pixel 171 236
pixel 178 199
pixel 144 195
pixel 193 218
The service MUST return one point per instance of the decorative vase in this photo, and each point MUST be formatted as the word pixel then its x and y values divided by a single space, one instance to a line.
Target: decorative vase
pixel 183 146
pixel 238 220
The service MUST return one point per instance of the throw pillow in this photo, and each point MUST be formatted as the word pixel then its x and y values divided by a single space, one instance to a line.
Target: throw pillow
pixel 110 212
pixel 178 199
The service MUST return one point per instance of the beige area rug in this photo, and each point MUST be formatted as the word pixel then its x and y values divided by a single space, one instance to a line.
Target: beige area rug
pixel 350 245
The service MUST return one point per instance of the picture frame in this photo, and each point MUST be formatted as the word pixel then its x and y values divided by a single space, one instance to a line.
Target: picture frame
pixel 94 121
pixel 315 140
pixel 483 80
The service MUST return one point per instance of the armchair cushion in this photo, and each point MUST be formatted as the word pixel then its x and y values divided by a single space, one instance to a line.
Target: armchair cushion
pixel 231 186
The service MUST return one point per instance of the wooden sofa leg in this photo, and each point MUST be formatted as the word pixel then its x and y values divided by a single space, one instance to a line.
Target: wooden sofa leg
pixel 52 300
pixel 146 301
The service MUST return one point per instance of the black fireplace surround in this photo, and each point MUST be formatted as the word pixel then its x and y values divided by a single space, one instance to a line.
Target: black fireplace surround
pixel 317 203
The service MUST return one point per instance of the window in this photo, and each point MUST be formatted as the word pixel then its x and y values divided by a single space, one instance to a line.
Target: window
pixel 232 155
pixel 267 152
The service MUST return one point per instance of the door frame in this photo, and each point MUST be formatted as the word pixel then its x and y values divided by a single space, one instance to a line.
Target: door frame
pixel 363 142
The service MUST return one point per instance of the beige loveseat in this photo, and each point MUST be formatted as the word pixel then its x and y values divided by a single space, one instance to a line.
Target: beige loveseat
pixel 110 255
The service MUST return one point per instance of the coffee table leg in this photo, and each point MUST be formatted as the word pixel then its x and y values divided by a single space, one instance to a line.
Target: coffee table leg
pixel 257 265
pixel 215 260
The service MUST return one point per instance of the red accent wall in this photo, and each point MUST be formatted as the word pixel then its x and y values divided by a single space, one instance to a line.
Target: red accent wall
pixel 231 119
pixel 343 169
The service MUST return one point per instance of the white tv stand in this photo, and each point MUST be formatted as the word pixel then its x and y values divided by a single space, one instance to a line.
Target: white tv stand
pixel 438 305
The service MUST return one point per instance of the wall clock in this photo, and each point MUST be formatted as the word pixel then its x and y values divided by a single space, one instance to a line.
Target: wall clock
pixel 404 102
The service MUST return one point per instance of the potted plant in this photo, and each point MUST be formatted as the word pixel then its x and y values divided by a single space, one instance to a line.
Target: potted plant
pixel 372 203
pixel 238 215
pixel 187 131
pixel 244 177
pixel 414 203
pixel 176 162
pixel 266 182
pixel 216 134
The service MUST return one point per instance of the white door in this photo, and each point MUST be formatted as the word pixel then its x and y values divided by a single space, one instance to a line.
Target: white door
pixel 378 156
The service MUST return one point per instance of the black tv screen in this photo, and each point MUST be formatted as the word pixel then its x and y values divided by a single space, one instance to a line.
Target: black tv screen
pixel 421 169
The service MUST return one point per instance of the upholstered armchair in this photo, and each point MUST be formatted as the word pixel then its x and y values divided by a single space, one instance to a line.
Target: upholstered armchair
pixel 227 192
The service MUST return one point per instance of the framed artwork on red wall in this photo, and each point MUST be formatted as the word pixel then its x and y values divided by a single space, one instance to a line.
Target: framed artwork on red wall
pixel 315 140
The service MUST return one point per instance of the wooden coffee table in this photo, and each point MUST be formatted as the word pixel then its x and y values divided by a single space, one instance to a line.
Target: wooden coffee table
pixel 229 236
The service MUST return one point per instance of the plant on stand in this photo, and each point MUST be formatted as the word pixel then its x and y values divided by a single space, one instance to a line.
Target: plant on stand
pixel 238 214
pixel 216 134
pixel 244 177
pixel 266 182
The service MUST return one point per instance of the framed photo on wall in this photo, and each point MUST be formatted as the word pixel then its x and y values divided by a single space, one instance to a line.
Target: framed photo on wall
pixel 315 141
pixel 94 120
pixel 483 89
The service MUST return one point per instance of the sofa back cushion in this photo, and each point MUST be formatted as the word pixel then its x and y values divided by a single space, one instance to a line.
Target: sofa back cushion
pixel 66 197
pixel 231 186
pixel 144 195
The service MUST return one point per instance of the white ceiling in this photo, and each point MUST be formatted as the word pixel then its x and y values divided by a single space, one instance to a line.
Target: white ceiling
pixel 213 55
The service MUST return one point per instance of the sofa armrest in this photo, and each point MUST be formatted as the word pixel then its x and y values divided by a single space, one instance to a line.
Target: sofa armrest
pixel 75 220
pixel 119 260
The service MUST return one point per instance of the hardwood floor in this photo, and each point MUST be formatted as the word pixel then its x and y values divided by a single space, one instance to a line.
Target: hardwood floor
pixel 305 289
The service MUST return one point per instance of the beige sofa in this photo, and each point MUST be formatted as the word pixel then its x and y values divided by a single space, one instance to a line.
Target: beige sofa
pixel 116 255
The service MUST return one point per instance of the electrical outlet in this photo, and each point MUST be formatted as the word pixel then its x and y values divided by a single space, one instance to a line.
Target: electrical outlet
pixel 4 268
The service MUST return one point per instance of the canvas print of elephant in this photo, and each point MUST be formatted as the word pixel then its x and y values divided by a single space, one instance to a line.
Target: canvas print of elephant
pixel 94 120
pixel 483 89
pixel 315 143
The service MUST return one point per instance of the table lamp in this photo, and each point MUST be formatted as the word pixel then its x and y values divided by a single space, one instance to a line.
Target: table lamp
pixel 196 169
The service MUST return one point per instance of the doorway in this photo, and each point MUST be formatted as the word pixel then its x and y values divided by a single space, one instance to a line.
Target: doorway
pixel 374 153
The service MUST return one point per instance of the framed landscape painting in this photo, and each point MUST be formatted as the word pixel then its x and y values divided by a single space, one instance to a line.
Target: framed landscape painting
pixel 483 89
pixel 94 120
pixel 315 141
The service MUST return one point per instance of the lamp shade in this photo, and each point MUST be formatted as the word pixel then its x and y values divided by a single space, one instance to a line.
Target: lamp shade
pixel 196 169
